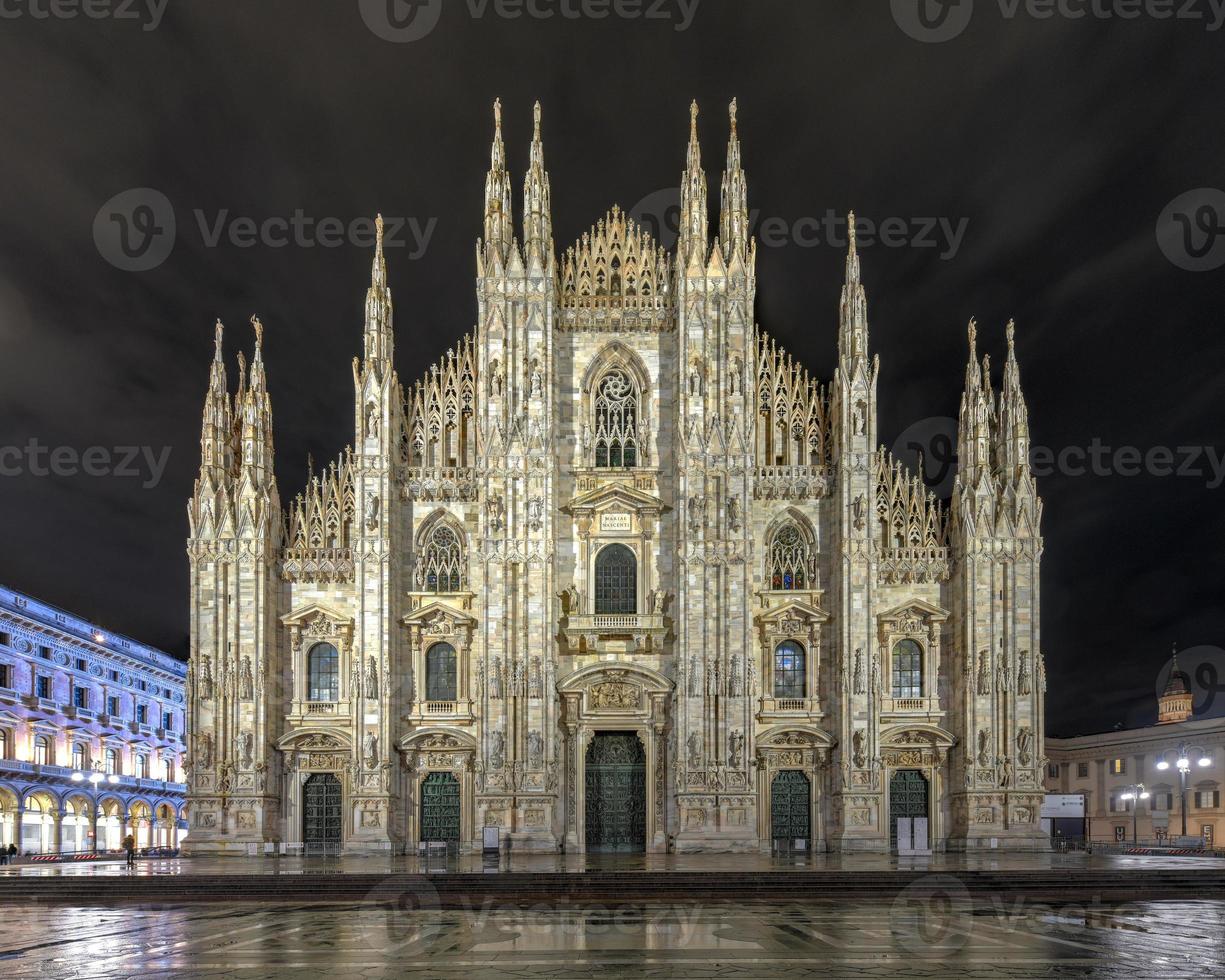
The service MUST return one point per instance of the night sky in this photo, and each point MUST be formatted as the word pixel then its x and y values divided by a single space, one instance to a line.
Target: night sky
pixel 1072 153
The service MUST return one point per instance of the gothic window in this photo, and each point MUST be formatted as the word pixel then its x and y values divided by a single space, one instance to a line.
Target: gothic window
pixel 907 669
pixel 787 560
pixel 616 421
pixel 323 673
pixel 442 566
pixel 616 581
pixel 789 671
pixel 440 673
pixel 42 750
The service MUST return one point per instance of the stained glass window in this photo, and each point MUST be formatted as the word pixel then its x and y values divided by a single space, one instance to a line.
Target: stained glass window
pixel 323 673
pixel 442 566
pixel 907 669
pixel 789 671
pixel 788 559
pixel 440 673
pixel 616 421
pixel 616 580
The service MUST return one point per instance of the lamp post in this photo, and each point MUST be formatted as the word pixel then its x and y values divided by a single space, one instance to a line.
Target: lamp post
pixel 95 777
pixel 1135 793
pixel 1203 760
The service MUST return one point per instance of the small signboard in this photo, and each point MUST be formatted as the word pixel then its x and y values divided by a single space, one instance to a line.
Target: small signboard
pixel 615 522
pixel 1055 805
pixel 491 839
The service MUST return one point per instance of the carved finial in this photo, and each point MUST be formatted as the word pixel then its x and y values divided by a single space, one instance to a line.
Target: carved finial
pixel 378 231
pixel 536 115
pixel 731 111
pixel 972 334
pixel 259 331
pixel 693 120
pixel 497 117
pixel 1010 332
pixel 218 332
pixel 850 230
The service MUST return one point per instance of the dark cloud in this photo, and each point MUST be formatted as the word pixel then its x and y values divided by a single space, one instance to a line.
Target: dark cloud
pixel 1059 143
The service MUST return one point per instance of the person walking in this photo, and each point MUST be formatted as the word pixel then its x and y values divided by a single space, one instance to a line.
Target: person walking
pixel 129 845
pixel 12 853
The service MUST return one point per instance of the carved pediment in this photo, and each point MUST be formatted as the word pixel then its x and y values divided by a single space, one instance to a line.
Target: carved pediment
pixel 616 496
pixel 318 620
pixel 433 614
pixel 792 616
pixel 917 736
pixel 915 610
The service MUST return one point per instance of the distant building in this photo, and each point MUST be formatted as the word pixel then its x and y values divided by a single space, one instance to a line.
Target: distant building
pixel 91 734
pixel 1178 763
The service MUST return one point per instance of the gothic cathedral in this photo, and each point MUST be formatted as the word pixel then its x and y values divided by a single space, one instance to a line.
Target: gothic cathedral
pixel 616 574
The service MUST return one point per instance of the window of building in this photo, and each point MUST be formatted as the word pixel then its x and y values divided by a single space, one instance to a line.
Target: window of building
pixel 1208 799
pixel 111 762
pixel 1053 770
pixel 616 421
pixel 44 652
pixel 907 669
pixel 6 743
pixel 168 721
pixel 80 697
pixel 142 767
pixel 616 581
pixel 788 559
pixel 1163 801
pixel 80 756
pixel 790 671
pixel 1082 770
pixel 81 664
pixel 323 673
pixel 112 705
pixel 1118 766
pixel 142 714
pixel 168 770
pixel 6 675
pixel 42 751
pixel 443 567
pixel 440 673
pixel 6 639
pixel 42 687
pixel 115 676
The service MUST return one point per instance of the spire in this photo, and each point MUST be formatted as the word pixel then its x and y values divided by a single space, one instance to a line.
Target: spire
pixel 853 311
pixel 378 338
pixel 734 213
pixel 216 447
pixel 1013 446
pixel 974 430
pixel 255 413
pixel 537 220
pixel 498 228
pixel 693 232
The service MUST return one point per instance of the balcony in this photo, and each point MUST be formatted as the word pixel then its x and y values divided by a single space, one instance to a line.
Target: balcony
pixel 321 707
pixel 440 707
pixel 615 633
pixel 910 707
pixel 772 709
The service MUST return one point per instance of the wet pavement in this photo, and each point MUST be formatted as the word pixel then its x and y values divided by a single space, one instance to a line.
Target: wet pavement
pixel 579 863
pixel 916 935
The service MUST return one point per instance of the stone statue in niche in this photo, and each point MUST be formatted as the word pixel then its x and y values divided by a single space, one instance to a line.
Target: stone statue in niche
pixel 735 755
pixel 569 601
pixel 246 686
pixel 984 747
pixel 984 672
pixel 372 511
pixel 733 514
pixel 535 750
pixel 372 680
pixel 372 421
pixel 1024 684
pixel 859 676
pixel 497 752
pixel 244 749
pixel 206 679
pixel 695 751
pixel 859 753
pixel 371 750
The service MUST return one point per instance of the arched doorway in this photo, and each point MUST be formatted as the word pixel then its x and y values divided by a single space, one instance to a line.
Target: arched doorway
pixel 140 823
pixel 616 793
pixel 76 825
pixel 110 825
pixel 908 797
pixel 38 824
pixel 791 809
pixel 8 816
pixel 440 808
pixel 321 811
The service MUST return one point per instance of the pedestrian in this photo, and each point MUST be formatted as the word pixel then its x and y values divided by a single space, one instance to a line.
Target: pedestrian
pixel 12 852
pixel 129 845
pixel 4 855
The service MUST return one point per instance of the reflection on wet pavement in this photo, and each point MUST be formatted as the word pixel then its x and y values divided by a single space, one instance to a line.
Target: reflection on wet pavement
pixel 911 936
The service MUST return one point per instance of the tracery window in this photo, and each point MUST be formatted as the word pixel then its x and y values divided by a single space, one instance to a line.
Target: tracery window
pixel 788 559
pixel 616 421
pixel 907 669
pixel 616 581
pixel 323 673
pixel 442 566
pixel 790 673
pixel 440 673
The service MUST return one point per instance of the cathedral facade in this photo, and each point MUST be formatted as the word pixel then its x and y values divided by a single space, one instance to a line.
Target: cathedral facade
pixel 616 574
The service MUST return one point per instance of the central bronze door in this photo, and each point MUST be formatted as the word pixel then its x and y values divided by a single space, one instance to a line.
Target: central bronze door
pixel 616 788
pixel 321 812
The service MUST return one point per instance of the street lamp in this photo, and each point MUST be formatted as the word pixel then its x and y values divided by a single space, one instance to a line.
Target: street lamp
pixel 1135 793
pixel 95 777
pixel 1203 760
